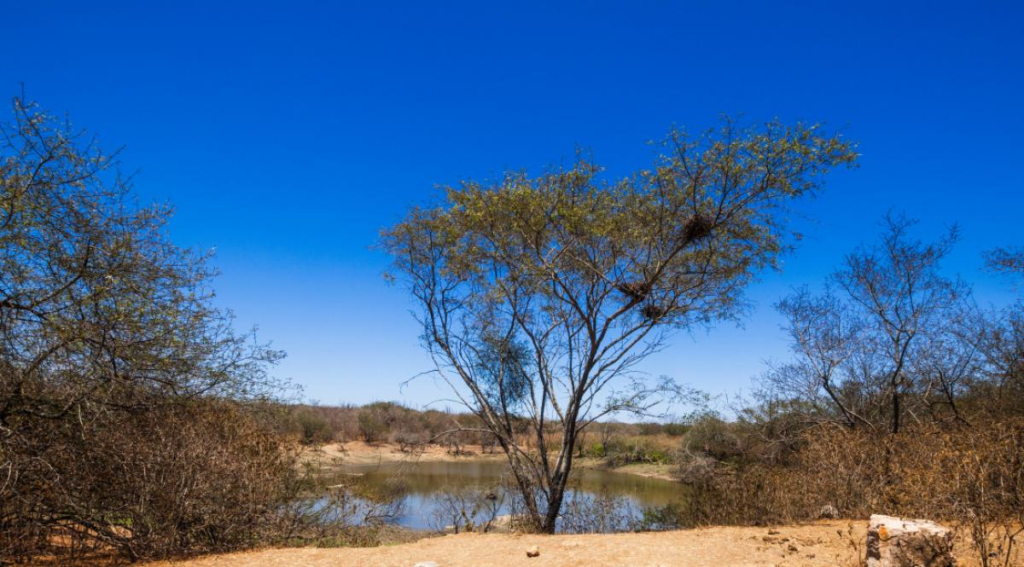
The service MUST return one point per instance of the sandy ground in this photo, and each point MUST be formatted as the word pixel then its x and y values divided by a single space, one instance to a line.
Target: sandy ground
pixel 664 472
pixel 358 453
pixel 818 544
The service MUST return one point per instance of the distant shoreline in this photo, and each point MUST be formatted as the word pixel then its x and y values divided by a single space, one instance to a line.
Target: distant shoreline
pixel 361 454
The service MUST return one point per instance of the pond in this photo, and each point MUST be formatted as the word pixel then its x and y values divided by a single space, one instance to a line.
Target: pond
pixel 599 501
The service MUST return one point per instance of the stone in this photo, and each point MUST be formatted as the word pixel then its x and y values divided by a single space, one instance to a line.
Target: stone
pixel 828 512
pixel 426 564
pixel 532 551
pixel 896 542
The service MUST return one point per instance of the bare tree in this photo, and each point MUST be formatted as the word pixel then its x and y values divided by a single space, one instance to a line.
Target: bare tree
pixel 948 363
pixel 824 332
pixel 999 336
pixel 539 296
pixel 885 327
pixel 898 285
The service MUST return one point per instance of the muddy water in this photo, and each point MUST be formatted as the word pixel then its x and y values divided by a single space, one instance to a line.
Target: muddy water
pixel 423 482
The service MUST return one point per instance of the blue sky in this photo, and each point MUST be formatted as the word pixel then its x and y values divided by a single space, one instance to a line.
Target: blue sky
pixel 287 134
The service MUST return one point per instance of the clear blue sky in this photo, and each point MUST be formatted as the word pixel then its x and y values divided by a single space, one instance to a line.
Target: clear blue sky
pixel 287 134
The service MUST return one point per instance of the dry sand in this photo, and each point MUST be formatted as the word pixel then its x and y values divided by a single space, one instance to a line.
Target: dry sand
pixel 817 544
pixel 358 453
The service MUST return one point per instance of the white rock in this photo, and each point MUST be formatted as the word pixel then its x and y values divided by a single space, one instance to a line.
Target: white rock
pixel 895 542
pixel 426 564
pixel 532 551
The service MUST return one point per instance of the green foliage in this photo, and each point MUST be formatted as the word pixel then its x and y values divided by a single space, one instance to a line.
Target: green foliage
pixel 504 370
pixel 710 435
pixel 595 451
pixel 315 429
pixel 372 426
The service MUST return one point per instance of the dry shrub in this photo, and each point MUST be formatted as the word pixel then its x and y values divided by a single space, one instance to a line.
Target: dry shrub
pixel 602 512
pixel 340 510
pixel 114 362
pixel 629 449
pixel 314 429
pixel 468 508
pixel 971 477
pixel 181 478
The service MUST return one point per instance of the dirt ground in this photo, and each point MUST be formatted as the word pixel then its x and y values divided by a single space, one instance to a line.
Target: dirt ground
pixel 818 544
pixel 358 453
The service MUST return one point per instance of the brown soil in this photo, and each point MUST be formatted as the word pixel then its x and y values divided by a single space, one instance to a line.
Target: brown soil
pixel 818 544
pixel 358 453
pixel 663 472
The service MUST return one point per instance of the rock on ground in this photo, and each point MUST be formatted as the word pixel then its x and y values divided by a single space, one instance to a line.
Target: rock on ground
pixel 896 542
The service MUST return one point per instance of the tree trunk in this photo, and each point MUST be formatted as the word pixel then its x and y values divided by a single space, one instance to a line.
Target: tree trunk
pixel 555 497
pixel 895 409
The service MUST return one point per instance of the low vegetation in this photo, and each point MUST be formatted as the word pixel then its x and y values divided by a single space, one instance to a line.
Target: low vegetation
pixel 611 443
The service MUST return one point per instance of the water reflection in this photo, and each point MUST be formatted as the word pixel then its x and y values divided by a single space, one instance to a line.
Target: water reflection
pixel 433 492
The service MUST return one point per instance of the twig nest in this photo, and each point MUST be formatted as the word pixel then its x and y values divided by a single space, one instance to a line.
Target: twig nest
pixel 653 311
pixel 697 228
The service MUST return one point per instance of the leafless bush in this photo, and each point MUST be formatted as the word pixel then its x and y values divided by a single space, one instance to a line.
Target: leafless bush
pixel 410 442
pixel 696 467
pixel 453 443
pixel 467 509
pixel 184 478
pixel 329 510
pixel 601 512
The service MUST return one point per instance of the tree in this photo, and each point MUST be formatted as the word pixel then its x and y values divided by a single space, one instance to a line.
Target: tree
pixel 999 335
pixel 104 324
pixel 1009 261
pixel 538 296
pixel 898 286
pixel 825 335
pixel 95 303
pixel 887 326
